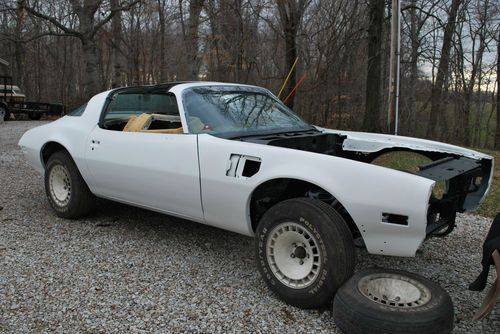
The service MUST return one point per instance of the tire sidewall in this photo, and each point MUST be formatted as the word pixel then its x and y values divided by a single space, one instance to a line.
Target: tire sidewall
pixel 379 318
pixel 60 159
pixel 323 288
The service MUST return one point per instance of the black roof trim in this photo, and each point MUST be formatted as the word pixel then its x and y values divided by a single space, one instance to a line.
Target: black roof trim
pixel 169 85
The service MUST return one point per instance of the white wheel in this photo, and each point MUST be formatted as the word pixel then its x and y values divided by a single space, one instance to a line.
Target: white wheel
pixel 381 301
pixel 304 251
pixel 60 185
pixel 67 192
pixel 394 290
pixel 293 255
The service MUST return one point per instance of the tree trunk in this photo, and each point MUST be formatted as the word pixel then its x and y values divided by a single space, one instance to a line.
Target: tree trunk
pixel 291 13
pixel 191 40
pixel 437 112
pixel 116 42
pixel 20 51
pixel 161 21
pixel 415 44
pixel 86 15
pixel 92 83
pixel 497 131
pixel 371 120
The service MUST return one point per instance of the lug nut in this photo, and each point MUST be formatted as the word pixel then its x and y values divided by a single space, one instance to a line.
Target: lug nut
pixel 292 256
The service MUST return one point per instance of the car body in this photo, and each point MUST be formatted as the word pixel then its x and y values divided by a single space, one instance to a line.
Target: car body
pixel 214 178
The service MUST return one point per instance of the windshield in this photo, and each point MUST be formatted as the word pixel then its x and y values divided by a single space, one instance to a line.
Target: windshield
pixel 233 111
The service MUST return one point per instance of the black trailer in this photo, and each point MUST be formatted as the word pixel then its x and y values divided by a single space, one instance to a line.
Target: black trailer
pixel 13 103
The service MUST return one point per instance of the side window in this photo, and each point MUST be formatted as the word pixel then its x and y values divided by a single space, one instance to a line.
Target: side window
pixel 78 111
pixel 160 109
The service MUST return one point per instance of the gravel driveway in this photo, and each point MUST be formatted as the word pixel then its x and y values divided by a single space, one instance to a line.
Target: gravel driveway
pixel 128 269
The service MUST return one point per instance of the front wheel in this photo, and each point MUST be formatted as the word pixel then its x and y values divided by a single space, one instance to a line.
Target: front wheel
pixel 305 251
pixel 66 190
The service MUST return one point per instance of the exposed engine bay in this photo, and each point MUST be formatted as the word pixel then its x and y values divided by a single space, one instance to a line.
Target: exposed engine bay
pixel 464 179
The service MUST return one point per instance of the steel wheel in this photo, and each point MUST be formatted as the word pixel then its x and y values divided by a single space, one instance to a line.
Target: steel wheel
pixel 381 301
pixel 304 251
pixel 60 185
pixel 66 190
pixel 293 255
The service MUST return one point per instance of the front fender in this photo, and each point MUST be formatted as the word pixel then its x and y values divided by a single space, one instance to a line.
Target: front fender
pixel 366 191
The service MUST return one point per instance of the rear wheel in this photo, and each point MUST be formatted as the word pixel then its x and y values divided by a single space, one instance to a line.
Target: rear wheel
pixel 67 192
pixel 304 251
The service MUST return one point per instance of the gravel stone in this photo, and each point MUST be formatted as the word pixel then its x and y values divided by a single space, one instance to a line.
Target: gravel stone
pixel 127 269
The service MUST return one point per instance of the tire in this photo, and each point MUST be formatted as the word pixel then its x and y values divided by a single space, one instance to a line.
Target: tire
pixel 4 113
pixel 313 233
pixel 429 310
pixel 67 192
pixel 35 116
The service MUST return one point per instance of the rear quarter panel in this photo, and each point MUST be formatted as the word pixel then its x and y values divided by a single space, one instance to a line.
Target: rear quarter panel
pixel 69 131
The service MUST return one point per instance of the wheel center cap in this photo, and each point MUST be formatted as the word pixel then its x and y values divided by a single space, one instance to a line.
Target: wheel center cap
pixel 300 252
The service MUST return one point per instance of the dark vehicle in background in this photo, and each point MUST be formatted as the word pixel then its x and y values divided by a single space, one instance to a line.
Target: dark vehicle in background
pixel 13 101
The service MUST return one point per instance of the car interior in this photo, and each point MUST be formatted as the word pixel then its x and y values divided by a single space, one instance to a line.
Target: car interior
pixel 136 111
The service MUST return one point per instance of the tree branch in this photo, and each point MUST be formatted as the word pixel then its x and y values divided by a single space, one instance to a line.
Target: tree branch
pixel 50 19
pixel 48 33
pixel 112 13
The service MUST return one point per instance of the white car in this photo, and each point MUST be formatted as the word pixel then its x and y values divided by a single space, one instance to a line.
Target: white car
pixel 234 157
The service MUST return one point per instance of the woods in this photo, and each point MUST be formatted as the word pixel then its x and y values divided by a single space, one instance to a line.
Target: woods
pixel 66 51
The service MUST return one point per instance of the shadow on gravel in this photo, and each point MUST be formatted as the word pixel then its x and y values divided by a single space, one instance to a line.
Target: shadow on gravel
pixel 122 218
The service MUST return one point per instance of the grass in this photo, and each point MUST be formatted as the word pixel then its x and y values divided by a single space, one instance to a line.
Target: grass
pixel 491 205
pixel 408 161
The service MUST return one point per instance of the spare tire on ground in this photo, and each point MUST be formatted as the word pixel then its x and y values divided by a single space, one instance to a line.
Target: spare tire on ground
pixel 392 301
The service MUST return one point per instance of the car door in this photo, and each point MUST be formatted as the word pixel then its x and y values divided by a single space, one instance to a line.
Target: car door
pixel 154 170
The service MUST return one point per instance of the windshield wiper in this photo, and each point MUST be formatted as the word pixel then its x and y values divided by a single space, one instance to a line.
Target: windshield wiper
pixel 269 133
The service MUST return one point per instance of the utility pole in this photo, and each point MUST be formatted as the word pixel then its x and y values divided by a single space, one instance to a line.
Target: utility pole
pixel 393 110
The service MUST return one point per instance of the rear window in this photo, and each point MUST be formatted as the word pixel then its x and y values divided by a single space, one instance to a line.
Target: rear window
pixel 78 111
pixel 127 104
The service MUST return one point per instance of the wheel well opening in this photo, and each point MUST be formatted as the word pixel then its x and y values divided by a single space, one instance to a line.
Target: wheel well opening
pixel 49 149
pixel 277 190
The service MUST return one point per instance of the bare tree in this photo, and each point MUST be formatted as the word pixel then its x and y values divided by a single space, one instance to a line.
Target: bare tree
pixel 448 60
pixel 497 132
pixel 116 44
pixel 86 32
pixel 190 35
pixel 291 13
pixel 437 120
pixel 371 120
